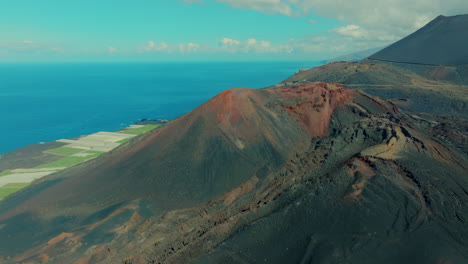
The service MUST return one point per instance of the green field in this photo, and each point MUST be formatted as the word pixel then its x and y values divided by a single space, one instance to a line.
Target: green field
pixel 11 188
pixel 70 161
pixel 140 130
pixel 16 185
pixel 95 153
pixel 4 192
pixel 63 151
pixel 5 173
pixel 124 140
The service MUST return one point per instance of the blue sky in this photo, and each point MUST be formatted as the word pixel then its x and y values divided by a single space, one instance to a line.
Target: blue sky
pixel 199 30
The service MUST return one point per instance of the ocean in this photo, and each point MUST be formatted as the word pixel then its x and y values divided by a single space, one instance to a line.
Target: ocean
pixel 46 102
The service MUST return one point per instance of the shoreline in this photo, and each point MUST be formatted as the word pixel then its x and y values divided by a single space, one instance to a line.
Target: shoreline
pixel 21 167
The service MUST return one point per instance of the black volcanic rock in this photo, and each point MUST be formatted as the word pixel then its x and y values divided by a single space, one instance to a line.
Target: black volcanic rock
pixel 443 41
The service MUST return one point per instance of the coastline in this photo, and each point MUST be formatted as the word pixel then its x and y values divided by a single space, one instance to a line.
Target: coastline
pixel 21 167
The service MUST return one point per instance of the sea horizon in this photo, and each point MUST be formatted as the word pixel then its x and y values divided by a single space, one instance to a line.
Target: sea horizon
pixel 319 61
pixel 69 99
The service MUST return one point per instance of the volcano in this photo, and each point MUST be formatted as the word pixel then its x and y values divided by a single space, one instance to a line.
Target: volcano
pixel 309 173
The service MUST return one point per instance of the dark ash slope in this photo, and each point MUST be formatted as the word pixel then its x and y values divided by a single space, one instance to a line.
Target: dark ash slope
pixel 443 41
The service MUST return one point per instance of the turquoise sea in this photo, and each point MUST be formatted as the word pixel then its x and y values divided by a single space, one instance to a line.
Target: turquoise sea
pixel 45 102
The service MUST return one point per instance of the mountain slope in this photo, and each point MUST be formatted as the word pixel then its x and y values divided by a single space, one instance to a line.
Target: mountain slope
pixel 197 157
pixel 365 193
pixel 437 51
pixel 441 42
pixel 310 173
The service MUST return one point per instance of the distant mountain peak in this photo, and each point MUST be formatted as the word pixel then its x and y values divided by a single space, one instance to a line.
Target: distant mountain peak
pixel 443 41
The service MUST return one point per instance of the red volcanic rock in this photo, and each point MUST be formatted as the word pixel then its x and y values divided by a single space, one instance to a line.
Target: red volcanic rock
pixel 313 104
pixel 232 105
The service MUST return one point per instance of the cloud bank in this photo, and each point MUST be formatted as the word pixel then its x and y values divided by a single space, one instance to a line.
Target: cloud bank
pixel 27 47
pixel 312 44
pixel 152 46
pixel 388 19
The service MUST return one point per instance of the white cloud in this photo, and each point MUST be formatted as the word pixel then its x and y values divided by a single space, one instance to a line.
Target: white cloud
pixel 355 32
pixel 27 47
pixel 111 49
pixel 192 1
pixel 351 31
pixel 251 46
pixel 226 45
pixel 189 47
pixel 317 45
pixel 266 6
pixel 227 42
pixel 394 18
pixel 310 45
pixel 152 46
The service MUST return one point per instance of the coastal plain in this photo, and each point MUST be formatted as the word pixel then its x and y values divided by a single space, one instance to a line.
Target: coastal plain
pixel 72 152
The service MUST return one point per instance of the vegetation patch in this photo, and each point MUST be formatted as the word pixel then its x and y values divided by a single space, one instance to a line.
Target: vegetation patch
pixel 94 152
pixel 4 192
pixel 124 140
pixel 70 161
pixel 63 151
pixel 139 130
pixel 5 173
pixel 16 185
